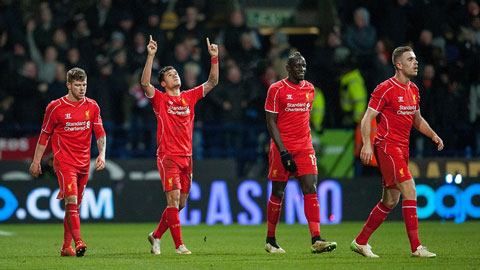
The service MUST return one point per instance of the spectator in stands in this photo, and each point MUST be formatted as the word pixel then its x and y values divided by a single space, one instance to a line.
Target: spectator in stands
pixel 452 97
pixel 7 117
pixel 18 58
pixel 383 68
pixel 247 57
pixel 43 34
pixel 153 27
pixel 428 101
pixel 474 107
pixel 141 136
pixel 102 20
pixel 81 37
pixel 190 29
pixel 74 60
pixel 231 98
pixel 102 89
pixel 181 56
pixel 191 78
pixel 61 43
pixel 56 89
pixel 6 61
pixel 398 22
pixel 137 55
pixel 424 47
pixel 324 73
pixel 353 94
pixel 278 52
pixel 28 98
pixel 117 43
pixel 46 64
pixel 119 84
pixel 471 33
pixel 125 26
pixel 230 36
pixel 360 38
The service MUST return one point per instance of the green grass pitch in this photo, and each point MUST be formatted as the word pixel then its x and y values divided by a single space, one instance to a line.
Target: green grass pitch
pixel 125 246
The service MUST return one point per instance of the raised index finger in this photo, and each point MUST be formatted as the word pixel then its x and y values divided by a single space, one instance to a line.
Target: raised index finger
pixel 208 42
pixel 150 37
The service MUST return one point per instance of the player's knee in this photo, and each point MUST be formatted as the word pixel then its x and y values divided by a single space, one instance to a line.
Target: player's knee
pixel 390 203
pixel 278 194
pixel 71 200
pixel 309 190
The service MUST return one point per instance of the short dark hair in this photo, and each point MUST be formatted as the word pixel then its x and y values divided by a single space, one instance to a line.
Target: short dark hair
pixel 398 52
pixel 293 56
pixel 162 72
pixel 76 74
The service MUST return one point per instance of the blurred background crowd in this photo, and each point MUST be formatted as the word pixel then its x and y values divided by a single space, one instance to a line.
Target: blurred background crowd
pixel 347 45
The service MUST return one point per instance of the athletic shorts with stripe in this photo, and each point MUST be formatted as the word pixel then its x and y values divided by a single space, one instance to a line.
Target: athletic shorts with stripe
pixel 71 182
pixel 305 160
pixel 175 172
pixel 393 164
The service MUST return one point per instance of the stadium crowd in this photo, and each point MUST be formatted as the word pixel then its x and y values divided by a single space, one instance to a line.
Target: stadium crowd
pixel 41 40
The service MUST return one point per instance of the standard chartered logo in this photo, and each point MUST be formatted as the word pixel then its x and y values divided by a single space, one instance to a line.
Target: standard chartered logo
pixel 75 126
pixel 297 107
pixel 179 110
pixel 406 110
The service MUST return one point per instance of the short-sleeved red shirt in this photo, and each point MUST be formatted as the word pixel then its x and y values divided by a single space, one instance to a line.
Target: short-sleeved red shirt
pixel 175 116
pixel 71 124
pixel 396 104
pixel 293 104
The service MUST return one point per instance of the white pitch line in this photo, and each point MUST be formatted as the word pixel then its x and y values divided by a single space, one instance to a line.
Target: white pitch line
pixel 4 233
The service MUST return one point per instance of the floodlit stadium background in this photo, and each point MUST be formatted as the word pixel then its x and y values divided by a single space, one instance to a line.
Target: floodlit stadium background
pixel 230 138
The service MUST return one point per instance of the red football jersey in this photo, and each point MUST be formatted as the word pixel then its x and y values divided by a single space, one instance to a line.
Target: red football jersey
pixel 71 124
pixel 293 104
pixel 396 104
pixel 175 120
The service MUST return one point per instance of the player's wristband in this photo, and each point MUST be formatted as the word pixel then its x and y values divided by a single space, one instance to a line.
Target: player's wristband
pixel 284 152
pixel 214 60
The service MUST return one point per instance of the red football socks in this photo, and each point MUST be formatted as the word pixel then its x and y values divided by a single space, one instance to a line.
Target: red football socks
pixel 73 221
pixel 274 209
pixel 377 216
pixel 312 213
pixel 409 210
pixel 67 235
pixel 162 226
pixel 173 221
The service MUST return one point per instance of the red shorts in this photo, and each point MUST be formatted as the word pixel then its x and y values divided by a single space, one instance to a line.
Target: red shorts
pixel 305 160
pixel 71 182
pixel 393 164
pixel 175 172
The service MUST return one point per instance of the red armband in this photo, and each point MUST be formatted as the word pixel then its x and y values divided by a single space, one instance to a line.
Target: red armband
pixel 43 139
pixel 99 131
pixel 214 60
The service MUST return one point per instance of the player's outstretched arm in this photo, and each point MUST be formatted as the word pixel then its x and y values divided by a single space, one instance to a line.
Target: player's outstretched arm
pixel 213 77
pixel 102 147
pixel 366 154
pixel 147 70
pixel 35 168
pixel 422 125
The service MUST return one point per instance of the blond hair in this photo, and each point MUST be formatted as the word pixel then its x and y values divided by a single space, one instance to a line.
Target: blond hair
pixel 76 74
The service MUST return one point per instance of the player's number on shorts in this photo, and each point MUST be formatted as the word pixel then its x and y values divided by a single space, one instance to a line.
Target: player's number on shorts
pixel 314 159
